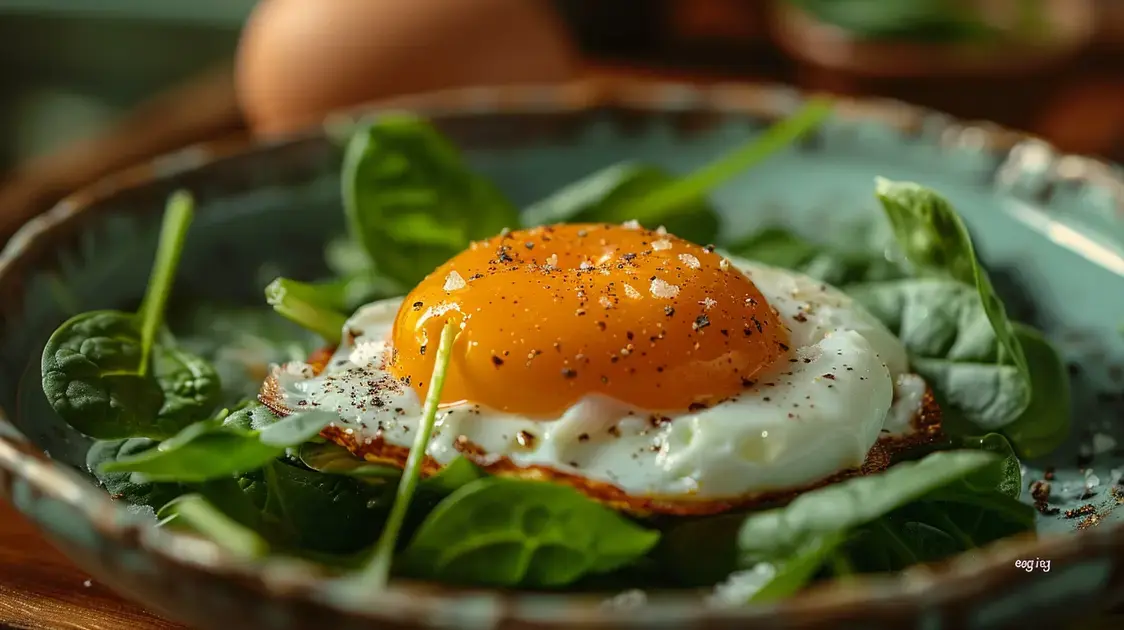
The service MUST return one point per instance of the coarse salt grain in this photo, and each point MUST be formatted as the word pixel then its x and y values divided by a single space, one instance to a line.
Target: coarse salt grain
pixel 707 303
pixel 552 261
pixel 661 244
pixel 690 261
pixel 366 352
pixel 661 230
pixel 631 292
pixel 1091 480
pixel 662 289
pixel 605 302
pixel 631 225
pixel 723 264
pixel 454 282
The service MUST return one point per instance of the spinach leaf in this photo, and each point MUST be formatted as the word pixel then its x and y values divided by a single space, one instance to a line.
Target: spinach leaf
pixel 1004 476
pixel 251 416
pixel 297 510
pixel 309 306
pixel 852 503
pixel 331 459
pixel 508 532
pixel 813 525
pixel 456 474
pixel 1045 423
pixel 105 373
pixel 189 383
pixel 327 513
pixel 209 450
pixel 91 378
pixel 952 344
pixel 411 201
pixel 957 330
pixel 603 196
pixel 237 499
pixel 125 486
pixel 982 519
pixel 951 520
pixel 194 512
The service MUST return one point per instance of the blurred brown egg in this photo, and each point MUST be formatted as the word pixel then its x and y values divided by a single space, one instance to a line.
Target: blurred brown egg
pixel 299 59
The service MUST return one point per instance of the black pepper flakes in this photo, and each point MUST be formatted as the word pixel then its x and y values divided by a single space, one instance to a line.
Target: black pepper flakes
pixel 702 321
pixel 1084 510
pixel 417 306
pixel 669 311
pixel 756 323
pixel 569 373
pixel 830 377
pixel 496 361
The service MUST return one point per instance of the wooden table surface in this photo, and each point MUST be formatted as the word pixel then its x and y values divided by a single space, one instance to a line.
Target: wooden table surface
pixel 41 590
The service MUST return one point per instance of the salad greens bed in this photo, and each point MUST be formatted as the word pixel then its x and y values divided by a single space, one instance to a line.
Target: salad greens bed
pixel 180 432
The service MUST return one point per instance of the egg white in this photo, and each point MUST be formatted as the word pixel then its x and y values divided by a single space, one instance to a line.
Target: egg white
pixel 814 413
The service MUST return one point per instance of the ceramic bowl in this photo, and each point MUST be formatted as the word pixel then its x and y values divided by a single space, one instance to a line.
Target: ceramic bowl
pixel 1048 225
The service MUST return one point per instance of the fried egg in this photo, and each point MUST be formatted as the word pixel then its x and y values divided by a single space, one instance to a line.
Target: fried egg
pixel 648 372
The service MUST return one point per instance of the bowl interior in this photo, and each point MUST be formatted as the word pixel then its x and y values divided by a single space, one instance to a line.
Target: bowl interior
pixel 1054 246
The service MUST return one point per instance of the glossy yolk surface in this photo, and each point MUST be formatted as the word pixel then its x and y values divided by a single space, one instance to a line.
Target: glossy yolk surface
pixel 551 314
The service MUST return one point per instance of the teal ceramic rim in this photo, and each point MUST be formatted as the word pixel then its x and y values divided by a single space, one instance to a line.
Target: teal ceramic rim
pixel 1027 163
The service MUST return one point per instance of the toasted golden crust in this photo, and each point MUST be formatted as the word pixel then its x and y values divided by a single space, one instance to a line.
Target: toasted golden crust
pixel 927 429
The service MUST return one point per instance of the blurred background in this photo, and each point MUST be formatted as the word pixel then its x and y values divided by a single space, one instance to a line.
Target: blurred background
pixel 91 86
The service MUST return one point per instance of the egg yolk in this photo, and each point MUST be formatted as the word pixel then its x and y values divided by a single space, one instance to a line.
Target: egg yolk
pixel 551 314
